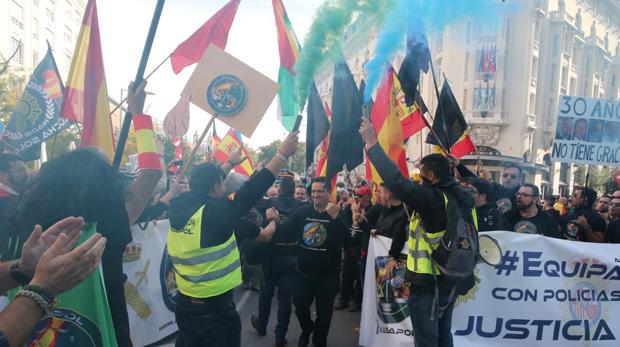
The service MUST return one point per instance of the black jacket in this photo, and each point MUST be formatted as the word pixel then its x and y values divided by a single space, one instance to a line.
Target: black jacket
pixel 428 201
pixel 489 218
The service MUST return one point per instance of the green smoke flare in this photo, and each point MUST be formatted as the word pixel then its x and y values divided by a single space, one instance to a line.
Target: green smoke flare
pixel 330 21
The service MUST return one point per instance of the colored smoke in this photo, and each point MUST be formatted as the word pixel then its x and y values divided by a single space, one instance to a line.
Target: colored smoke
pixel 330 21
pixel 425 15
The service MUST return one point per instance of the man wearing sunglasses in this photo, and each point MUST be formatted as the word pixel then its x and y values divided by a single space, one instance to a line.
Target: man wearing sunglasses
pixel 613 228
pixel 511 180
pixel 528 218
pixel 592 226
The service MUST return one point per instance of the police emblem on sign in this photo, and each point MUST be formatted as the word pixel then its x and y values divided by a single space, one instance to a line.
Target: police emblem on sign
pixel 169 289
pixel 226 95
pixel 66 328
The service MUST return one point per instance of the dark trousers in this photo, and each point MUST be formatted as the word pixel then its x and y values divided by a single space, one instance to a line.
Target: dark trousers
pixel 281 274
pixel 211 322
pixel 427 332
pixel 324 291
pixel 351 287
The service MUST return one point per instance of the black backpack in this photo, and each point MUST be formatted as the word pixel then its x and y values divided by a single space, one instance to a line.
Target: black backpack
pixel 456 255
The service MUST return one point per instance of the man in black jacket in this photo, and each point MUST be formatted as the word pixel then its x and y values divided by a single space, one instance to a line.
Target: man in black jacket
pixel 431 324
pixel 279 264
pixel 489 218
pixel 320 233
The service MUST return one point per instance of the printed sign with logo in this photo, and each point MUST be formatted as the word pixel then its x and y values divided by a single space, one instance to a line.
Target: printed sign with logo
pixel 587 132
pixel 544 292
pixel 234 92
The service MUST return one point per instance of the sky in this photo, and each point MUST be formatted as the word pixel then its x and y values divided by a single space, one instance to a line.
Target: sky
pixel 124 25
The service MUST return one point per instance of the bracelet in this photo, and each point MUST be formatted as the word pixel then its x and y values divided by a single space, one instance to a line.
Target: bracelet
pixel 39 290
pixel 283 158
pixel 46 306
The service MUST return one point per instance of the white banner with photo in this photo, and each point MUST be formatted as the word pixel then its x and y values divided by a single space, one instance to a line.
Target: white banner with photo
pixel 150 289
pixel 545 292
pixel 587 132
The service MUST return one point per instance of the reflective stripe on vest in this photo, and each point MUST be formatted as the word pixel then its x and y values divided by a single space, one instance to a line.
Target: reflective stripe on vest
pixel 202 272
pixel 419 259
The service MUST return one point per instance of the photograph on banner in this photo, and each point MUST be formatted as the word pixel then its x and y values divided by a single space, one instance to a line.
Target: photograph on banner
pixel 385 313
pixel 587 131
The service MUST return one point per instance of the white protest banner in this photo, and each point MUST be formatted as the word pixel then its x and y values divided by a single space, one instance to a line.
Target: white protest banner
pixel 545 292
pixel 587 132
pixel 150 289
pixel 385 315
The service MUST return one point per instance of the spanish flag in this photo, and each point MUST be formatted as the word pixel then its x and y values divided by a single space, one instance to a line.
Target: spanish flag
pixel 384 118
pixel 86 94
pixel 230 142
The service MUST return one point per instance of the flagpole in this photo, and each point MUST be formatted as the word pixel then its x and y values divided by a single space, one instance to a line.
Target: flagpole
pixel 122 139
pixel 443 118
pixel 145 78
pixel 196 145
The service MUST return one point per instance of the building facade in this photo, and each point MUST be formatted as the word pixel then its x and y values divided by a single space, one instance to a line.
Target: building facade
pixel 26 26
pixel 507 74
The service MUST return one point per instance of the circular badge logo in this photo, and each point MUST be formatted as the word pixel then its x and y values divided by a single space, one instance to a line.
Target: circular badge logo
pixel 586 309
pixel 169 288
pixel 314 234
pixel 65 328
pixel 504 205
pixel 525 227
pixel 226 95
pixel 27 111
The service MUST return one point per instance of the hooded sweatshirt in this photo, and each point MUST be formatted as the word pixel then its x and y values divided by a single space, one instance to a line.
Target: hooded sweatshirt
pixel 426 200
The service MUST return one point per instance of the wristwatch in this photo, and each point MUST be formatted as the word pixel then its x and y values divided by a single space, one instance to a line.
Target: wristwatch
pixel 18 275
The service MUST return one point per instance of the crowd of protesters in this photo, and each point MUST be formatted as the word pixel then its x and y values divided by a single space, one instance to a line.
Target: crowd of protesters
pixel 282 233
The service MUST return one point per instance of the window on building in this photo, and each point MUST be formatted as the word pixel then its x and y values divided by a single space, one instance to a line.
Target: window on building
pixel 532 105
pixel 468 35
pixel 534 68
pixel 466 66
pixel 67 61
pixel 68 34
pixel 464 101
pixel 50 14
pixel 17 14
pixel 35 58
pixel 556 44
pixel 440 41
pixel 572 86
pixel 595 91
pixel 552 79
pixel 17 45
pixel 564 80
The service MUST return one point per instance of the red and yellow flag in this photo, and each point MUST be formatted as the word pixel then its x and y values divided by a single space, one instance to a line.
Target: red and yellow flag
pixel 385 120
pixel 230 142
pixel 86 94
pixel 321 163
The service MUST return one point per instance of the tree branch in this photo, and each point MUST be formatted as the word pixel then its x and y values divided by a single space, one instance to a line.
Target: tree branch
pixel 5 64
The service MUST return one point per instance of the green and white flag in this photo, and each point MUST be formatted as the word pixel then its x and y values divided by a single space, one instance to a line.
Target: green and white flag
pixel 82 316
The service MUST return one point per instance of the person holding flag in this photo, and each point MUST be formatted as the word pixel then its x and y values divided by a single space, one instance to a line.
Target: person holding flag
pixel 83 183
pixel 202 244
pixel 432 293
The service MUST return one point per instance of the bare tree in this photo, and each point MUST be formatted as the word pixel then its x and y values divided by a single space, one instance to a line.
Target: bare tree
pixel 4 65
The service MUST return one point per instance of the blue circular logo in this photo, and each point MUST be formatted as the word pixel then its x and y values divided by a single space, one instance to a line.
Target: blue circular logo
pixel 169 288
pixel 66 328
pixel 315 234
pixel 226 95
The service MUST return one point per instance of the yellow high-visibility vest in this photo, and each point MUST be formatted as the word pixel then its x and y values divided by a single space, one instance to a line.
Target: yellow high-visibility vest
pixel 202 272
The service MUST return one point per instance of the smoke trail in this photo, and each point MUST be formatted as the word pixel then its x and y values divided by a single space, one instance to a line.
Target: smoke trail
pixel 426 15
pixel 388 42
pixel 331 20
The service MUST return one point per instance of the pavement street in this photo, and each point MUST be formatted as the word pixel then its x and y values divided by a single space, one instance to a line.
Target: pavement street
pixel 343 331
